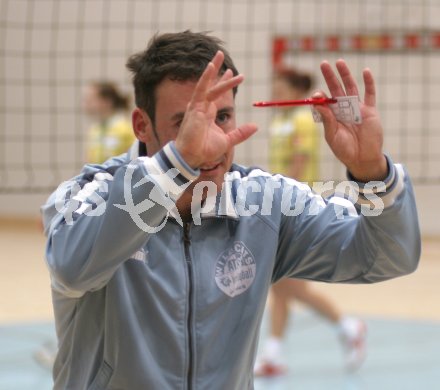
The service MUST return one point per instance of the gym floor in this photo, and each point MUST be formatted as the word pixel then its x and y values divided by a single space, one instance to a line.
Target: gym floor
pixel 402 316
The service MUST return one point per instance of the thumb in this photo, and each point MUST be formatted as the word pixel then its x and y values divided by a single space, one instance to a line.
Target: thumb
pixel 328 120
pixel 241 133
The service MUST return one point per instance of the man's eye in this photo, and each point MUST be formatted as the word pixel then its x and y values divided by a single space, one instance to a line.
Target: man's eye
pixel 223 118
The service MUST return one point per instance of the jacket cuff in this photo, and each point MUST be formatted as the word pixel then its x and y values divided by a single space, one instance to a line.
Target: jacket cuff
pixel 169 170
pixel 387 190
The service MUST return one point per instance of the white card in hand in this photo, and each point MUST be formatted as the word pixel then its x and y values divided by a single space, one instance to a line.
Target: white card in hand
pixel 346 110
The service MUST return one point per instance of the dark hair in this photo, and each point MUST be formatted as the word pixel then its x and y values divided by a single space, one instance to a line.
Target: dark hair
pixel 295 78
pixel 108 90
pixel 179 56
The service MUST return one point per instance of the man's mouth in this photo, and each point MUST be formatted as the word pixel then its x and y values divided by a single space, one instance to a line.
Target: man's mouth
pixel 209 167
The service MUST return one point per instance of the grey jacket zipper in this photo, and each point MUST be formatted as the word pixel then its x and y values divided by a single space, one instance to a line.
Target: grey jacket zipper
pixel 187 243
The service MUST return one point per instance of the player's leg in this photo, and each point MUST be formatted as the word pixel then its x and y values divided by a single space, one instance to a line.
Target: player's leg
pixel 305 293
pixel 270 361
pixel 352 331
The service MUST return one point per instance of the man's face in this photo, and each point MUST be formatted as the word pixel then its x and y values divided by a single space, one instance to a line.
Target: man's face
pixel 172 98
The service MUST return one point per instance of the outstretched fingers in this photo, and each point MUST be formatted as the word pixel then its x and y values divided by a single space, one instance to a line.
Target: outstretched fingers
pixel 209 87
pixel 217 60
pixel 224 84
pixel 350 85
pixel 202 86
pixel 207 78
pixel 332 81
pixel 370 88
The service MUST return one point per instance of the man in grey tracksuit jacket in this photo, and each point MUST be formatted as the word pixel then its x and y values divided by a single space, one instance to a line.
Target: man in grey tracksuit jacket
pixel 147 298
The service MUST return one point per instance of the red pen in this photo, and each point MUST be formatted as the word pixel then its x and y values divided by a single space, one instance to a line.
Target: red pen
pixel 302 102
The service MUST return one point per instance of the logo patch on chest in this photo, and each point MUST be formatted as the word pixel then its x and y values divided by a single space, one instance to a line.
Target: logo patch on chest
pixel 235 269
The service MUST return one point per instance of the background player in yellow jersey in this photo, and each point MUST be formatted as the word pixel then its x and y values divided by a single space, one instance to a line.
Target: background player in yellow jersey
pixel 294 152
pixel 111 133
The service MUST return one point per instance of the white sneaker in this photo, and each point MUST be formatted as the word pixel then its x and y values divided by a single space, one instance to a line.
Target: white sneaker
pixel 354 341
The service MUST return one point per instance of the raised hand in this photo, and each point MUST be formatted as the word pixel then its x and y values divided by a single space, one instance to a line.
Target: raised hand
pixel 200 140
pixel 359 147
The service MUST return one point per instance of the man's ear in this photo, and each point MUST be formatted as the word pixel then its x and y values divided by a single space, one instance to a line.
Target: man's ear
pixel 142 126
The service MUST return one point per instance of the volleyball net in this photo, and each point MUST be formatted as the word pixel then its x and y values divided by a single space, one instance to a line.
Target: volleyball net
pixel 49 50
